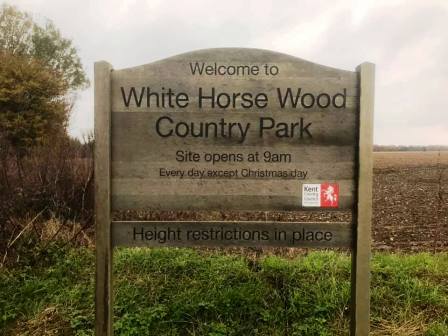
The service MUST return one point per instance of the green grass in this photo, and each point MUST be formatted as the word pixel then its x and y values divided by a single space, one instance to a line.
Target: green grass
pixel 188 292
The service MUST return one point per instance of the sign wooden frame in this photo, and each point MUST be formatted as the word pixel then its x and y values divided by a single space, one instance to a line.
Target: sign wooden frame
pixel 356 235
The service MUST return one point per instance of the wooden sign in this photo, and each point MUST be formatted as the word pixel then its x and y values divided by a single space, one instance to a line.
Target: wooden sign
pixel 233 129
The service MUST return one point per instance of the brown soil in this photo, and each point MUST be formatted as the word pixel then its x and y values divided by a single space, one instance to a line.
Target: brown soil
pixel 410 201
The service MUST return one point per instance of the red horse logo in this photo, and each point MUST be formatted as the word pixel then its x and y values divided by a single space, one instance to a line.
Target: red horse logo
pixel 329 195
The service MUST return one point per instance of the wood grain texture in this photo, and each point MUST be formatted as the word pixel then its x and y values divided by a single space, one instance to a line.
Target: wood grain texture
pixel 175 72
pixel 103 248
pixel 336 170
pixel 228 234
pixel 204 202
pixel 301 153
pixel 360 312
pixel 138 152
pixel 204 194
pixel 138 129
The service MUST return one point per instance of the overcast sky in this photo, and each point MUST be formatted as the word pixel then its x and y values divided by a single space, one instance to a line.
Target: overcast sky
pixel 406 39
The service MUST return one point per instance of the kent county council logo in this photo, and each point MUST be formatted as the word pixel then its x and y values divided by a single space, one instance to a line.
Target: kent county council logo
pixel 323 195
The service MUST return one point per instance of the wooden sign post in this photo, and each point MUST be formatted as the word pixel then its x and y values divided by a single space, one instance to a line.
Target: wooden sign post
pixel 233 129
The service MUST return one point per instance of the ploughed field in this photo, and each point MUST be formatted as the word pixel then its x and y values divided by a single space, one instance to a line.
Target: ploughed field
pixel 410 200
pixel 410 204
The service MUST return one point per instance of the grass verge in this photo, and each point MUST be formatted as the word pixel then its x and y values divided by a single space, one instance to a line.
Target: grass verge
pixel 190 292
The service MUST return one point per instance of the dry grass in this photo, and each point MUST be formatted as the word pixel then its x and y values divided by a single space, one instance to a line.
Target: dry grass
pixel 67 231
pixel 412 326
pixel 48 322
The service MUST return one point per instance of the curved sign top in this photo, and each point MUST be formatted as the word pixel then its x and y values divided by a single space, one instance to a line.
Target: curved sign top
pixel 241 129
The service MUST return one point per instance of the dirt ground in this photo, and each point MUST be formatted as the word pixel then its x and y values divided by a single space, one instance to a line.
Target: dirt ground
pixel 410 201
pixel 410 204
